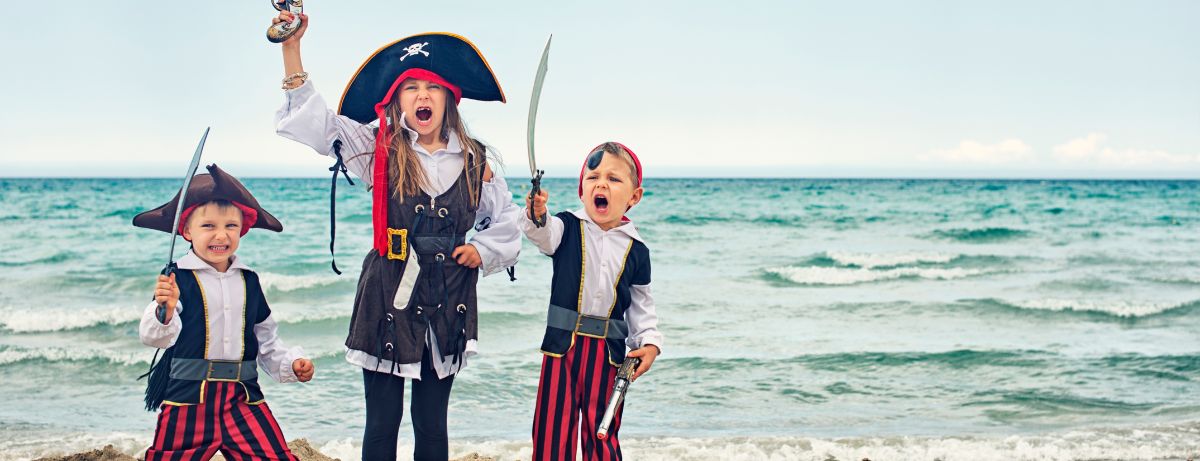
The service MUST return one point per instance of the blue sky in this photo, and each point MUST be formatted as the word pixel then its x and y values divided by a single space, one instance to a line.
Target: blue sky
pixel 961 89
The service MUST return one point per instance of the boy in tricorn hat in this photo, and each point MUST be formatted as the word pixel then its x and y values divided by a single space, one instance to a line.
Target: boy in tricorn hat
pixel 214 322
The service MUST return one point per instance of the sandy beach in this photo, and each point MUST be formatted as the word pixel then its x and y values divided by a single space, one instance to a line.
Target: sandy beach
pixel 300 447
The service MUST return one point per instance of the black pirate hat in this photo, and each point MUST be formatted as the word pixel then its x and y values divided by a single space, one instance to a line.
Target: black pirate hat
pixel 453 58
pixel 447 59
pixel 215 185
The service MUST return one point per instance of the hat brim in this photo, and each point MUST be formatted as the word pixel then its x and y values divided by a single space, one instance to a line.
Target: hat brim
pixel 451 56
pixel 216 185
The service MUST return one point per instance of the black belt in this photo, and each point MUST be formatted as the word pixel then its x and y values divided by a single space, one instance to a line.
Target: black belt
pixel 213 370
pixel 595 327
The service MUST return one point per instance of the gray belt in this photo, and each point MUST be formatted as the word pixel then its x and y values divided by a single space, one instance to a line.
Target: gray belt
pixel 596 327
pixel 213 370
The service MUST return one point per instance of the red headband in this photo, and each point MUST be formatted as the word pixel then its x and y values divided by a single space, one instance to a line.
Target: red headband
pixel 249 216
pixel 383 138
pixel 637 164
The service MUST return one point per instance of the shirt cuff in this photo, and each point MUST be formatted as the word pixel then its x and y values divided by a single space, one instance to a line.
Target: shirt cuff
pixel 154 333
pixel 285 373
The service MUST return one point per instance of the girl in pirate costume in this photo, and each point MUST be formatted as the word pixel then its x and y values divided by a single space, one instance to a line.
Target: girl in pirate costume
pixel 415 307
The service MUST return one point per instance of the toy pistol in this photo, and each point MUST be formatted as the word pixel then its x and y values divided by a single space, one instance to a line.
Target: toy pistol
pixel 624 377
pixel 279 32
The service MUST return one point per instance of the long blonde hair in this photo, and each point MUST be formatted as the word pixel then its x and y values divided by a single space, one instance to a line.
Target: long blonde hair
pixel 404 165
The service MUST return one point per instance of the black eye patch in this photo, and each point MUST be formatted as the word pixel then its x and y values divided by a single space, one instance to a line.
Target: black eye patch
pixel 593 160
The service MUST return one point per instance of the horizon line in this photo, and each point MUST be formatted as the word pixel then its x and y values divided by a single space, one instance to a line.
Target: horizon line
pixel 837 178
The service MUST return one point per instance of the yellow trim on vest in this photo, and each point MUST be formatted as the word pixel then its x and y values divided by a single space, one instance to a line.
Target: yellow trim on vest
pixel 624 262
pixel 247 391
pixel 582 266
pixel 204 301
pixel 624 259
pixel 177 404
pixel 582 274
pixel 354 78
pixel 242 331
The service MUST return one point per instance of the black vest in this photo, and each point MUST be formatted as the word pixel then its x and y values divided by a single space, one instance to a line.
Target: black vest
pixel 192 342
pixel 568 280
pixel 444 295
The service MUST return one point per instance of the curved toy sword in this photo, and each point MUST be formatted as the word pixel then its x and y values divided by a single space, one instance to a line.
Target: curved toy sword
pixel 183 202
pixel 533 106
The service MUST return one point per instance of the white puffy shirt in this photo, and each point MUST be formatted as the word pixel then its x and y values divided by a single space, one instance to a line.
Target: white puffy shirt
pixel 307 119
pixel 225 293
pixel 603 263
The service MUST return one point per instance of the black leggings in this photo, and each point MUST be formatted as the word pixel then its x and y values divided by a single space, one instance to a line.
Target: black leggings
pixel 385 408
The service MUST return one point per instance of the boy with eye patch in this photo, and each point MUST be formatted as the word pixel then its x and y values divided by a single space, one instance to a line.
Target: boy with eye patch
pixel 600 303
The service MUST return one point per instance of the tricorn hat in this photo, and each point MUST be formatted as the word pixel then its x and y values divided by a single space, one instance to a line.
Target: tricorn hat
pixel 451 57
pixel 446 59
pixel 215 185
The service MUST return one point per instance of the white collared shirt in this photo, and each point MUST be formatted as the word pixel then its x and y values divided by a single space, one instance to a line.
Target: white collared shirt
pixel 605 258
pixel 225 297
pixel 305 118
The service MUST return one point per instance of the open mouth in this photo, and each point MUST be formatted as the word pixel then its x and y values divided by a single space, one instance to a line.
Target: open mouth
pixel 601 203
pixel 424 114
pixel 218 248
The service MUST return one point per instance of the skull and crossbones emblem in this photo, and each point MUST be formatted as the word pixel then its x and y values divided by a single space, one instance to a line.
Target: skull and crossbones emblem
pixel 414 49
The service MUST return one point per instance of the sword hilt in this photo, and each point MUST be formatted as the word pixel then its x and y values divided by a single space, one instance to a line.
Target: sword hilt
pixel 161 312
pixel 539 221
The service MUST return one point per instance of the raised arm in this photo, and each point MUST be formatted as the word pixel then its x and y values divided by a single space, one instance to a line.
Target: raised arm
pixel 307 119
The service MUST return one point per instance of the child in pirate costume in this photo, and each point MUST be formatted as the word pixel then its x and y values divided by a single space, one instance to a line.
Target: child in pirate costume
pixel 415 311
pixel 214 322
pixel 599 303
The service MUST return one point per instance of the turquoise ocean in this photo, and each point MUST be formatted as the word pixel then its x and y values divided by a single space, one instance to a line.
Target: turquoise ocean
pixel 805 319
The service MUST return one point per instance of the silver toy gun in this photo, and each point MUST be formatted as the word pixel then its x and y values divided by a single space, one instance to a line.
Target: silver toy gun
pixel 279 32
pixel 624 377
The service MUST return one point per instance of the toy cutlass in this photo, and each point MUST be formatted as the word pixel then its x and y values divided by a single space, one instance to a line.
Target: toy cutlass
pixel 539 221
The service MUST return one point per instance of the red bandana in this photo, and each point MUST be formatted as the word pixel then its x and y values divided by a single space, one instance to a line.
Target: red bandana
pixel 383 139
pixel 249 217
pixel 637 164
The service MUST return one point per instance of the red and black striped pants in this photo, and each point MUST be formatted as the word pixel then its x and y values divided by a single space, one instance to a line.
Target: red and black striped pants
pixel 225 423
pixel 574 388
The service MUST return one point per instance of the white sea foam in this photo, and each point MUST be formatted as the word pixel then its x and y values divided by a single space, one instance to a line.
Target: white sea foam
pixel 816 275
pixel 63 354
pixel 1183 278
pixel 1155 443
pixel 874 260
pixel 60 319
pixel 284 282
pixel 1118 308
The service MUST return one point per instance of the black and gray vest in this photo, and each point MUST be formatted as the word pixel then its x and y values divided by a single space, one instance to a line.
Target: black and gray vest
pixel 566 294
pixel 188 368
pixel 444 293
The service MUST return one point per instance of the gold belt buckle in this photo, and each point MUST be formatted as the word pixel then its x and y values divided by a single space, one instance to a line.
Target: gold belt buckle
pixel 208 376
pixel 403 233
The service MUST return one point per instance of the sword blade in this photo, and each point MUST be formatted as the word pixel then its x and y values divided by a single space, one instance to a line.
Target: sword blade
pixel 187 181
pixel 533 104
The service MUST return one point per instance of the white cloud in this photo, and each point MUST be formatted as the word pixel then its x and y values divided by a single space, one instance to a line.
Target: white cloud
pixel 1091 150
pixel 1080 148
pixel 969 151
